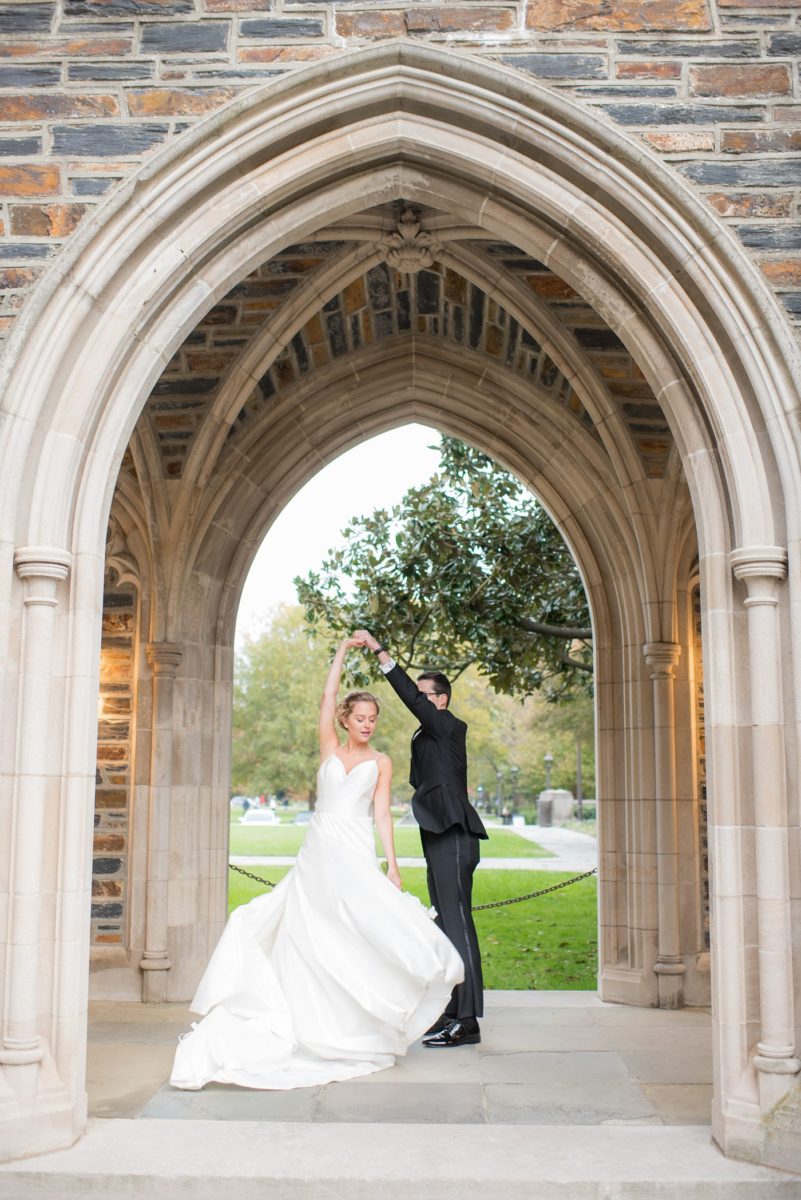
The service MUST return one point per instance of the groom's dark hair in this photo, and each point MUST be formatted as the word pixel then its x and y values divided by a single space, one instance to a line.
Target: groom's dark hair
pixel 442 685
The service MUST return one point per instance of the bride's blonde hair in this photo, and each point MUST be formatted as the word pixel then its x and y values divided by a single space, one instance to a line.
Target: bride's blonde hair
pixel 348 701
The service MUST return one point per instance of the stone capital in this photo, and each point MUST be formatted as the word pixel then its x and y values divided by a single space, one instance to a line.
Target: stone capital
pixel 662 658
pixel 761 568
pixel 42 562
pixel 164 657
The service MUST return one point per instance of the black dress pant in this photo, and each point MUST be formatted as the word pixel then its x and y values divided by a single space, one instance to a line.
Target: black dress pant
pixel 452 857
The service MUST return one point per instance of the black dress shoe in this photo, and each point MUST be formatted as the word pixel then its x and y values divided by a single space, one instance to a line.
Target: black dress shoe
pixel 457 1033
pixel 441 1023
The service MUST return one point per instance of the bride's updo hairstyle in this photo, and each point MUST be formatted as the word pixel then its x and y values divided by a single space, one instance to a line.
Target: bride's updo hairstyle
pixel 349 701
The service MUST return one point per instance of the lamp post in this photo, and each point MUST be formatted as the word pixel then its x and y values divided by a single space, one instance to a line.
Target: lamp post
pixel 579 782
pixel 514 772
pixel 548 760
pixel 481 796
pixel 499 790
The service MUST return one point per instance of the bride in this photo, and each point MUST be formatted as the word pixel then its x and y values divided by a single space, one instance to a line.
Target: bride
pixel 335 972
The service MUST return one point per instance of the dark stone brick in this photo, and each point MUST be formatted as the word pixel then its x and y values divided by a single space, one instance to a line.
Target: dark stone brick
pixel 181 405
pixel 559 66
pixel 262 288
pixel 312 249
pixel 271 28
pixel 106 141
pixel 599 339
pixel 378 287
pixel 770 172
pixel 106 866
pixel 127 8
pixel 91 187
pixel 679 114
pixel 336 334
pixel 25 77
pixel 20 146
pixel 185 37
pixel 24 251
pixel 700 49
pixel 117 599
pixel 511 343
pixel 523 264
pixel 475 319
pixel 403 307
pixel 382 324
pixel 173 435
pixel 185 387
pixel 786 44
pixel 25 18
pixel 792 302
pixel 301 354
pixel 427 292
pixel 549 372
pixel 762 21
pixel 107 910
pixel 630 89
pixel 102 72
pixel 770 237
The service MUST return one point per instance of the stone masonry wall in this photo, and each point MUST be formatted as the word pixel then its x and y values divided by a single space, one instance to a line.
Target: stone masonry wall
pixel 112 793
pixel 91 88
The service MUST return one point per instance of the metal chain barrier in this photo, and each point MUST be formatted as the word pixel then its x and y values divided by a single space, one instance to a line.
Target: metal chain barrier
pixel 476 907
pixel 250 875
pixel 533 895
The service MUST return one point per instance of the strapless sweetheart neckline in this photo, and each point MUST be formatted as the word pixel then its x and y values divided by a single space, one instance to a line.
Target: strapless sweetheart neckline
pixel 347 772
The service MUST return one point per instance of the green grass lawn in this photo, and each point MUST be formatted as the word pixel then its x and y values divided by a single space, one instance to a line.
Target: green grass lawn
pixel 286 839
pixel 549 943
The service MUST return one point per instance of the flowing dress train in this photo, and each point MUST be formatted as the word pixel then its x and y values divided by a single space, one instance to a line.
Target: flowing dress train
pixel 330 975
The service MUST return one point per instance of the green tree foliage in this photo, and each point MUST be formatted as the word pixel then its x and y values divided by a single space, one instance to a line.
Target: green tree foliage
pixel 278 682
pixel 467 569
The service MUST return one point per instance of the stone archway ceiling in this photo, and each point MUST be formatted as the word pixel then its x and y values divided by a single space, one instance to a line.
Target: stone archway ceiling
pixel 387 303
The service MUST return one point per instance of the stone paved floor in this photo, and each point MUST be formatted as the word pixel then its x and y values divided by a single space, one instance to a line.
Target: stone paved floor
pixel 546 1058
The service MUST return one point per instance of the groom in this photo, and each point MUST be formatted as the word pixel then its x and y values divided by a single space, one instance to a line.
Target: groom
pixel 450 829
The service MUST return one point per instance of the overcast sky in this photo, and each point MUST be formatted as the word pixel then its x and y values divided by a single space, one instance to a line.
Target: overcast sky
pixel 383 468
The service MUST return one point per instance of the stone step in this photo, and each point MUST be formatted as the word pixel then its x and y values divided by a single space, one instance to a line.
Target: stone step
pixel 253 1160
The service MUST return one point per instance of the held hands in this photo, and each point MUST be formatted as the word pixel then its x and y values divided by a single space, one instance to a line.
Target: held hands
pixel 354 640
pixel 364 638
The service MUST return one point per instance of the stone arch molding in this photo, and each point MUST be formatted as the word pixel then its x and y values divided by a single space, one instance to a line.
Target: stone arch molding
pixel 537 170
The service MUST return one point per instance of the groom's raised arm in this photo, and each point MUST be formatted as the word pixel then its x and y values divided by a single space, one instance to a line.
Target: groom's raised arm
pixel 434 720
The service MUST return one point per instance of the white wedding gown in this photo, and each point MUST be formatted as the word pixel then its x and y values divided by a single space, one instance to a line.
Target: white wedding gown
pixel 331 975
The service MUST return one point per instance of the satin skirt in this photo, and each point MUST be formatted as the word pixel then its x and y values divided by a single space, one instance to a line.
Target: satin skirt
pixel 331 975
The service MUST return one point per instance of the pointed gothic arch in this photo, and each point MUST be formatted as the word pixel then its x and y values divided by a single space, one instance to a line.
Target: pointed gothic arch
pixel 531 168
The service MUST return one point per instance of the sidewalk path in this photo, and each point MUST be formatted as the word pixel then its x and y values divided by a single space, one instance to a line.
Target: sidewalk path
pixel 573 852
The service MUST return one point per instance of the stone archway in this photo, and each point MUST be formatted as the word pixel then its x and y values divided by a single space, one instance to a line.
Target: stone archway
pixel 490 158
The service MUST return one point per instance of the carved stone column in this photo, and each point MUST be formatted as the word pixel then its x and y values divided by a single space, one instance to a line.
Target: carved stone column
pixel 762 568
pixel 164 658
pixel 662 658
pixel 41 568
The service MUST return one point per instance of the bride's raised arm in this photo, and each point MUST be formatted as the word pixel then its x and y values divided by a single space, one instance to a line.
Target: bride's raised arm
pixel 329 742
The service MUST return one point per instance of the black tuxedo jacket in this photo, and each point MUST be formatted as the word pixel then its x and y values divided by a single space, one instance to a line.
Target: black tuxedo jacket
pixel 439 763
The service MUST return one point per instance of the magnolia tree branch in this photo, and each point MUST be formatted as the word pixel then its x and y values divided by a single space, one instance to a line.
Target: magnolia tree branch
pixel 569 632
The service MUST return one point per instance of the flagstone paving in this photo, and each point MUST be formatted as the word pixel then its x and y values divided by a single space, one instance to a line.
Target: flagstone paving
pixel 545 1058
